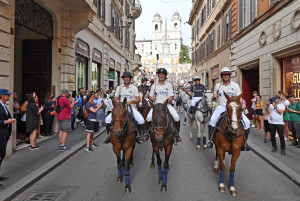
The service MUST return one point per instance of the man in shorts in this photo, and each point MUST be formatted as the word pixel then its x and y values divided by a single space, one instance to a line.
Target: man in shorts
pixel 64 107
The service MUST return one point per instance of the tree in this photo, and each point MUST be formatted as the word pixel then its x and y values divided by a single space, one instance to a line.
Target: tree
pixel 184 56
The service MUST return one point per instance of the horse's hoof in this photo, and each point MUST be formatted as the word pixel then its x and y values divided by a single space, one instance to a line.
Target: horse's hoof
pixel 160 181
pixel 120 179
pixel 131 165
pixel 205 147
pixel 163 189
pixel 233 193
pixel 152 165
pixel 198 148
pixel 127 189
pixel 216 170
pixel 222 189
pixel 183 123
pixel 191 139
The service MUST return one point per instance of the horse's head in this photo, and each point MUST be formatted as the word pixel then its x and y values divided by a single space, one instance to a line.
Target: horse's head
pixel 234 112
pixel 208 96
pixel 119 117
pixel 159 120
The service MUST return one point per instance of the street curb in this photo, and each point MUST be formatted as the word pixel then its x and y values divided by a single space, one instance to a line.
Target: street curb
pixel 281 167
pixel 14 190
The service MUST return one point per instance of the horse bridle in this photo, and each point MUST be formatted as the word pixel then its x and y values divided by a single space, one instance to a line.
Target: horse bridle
pixel 154 129
pixel 124 125
pixel 205 105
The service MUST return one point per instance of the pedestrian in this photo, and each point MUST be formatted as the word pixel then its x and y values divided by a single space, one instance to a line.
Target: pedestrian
pixel 36 100
pixel 32 120
pixel 73 111
pixel 294 119
pixel 92 124
pixel 49 111
pixel 23 118
pixel 64 117
pixel 100 114
pixel 196 91
pixel 6 122
pixel 253 106
pixel 108 103
pixel 79 116
pixel 16 106
pixel 286 102
pixel 276 123
pixel 259 113
pixel 266 122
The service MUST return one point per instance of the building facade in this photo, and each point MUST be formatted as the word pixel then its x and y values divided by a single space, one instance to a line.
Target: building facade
pixel 266 47
pixel 64 45
pixel 211 37
pixel 167 45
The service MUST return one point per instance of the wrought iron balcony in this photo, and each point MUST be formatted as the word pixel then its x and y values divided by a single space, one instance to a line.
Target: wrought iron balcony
pixel 136 9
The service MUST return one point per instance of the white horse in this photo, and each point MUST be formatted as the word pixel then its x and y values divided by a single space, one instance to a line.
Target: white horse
pixel 186 102
pixel 202 117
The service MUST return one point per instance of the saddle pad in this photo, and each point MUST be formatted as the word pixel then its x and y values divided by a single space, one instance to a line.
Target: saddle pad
pixel 221 119
pixel 131 118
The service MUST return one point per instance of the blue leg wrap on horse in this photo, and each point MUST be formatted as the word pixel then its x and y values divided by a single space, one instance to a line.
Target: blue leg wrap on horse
pixel 119 170
pixel 165 174
pixel 185 119
pixel 221 176
pixel 231 179
pixel 159 171
pixel 204 140
pixel 198 141
pixel 127 174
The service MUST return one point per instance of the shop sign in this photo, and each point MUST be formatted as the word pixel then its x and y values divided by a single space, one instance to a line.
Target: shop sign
pixel 82 48
pixel 292 76
pixel 97 55
pixel 111 75
pixel 215 72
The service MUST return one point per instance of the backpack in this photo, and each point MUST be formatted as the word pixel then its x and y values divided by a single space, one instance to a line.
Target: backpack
pixel 58 107
pixel 85 112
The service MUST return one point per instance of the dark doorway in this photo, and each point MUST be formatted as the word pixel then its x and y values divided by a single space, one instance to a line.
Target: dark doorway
pixel 250 83
pixel 37 71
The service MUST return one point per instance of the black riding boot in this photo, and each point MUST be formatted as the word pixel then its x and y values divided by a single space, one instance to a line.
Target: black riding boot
pixel 178 138
pixel 141 132
pixel 210 143
pixel 245 146
pixel 107 140
pixel 192 110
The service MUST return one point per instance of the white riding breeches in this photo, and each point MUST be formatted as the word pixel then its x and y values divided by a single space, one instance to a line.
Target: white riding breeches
pixel 172 110
pixel 195 100
pixel 137 116
pixel 217 113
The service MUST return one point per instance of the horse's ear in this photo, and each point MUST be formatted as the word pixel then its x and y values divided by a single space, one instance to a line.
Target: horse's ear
pixel 227 97
pixel 240 96
pixel 114 101
pixel 125 101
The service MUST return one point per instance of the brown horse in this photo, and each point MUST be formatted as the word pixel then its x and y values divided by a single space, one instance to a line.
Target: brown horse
pixel 144 107
pixel 162 134
pixel 229 138
pixel 122 136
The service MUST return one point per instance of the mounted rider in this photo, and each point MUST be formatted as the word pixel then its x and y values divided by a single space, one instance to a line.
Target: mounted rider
pixel 191 82
pixel 144 87
pixel 196 91
pixel 132 94
pixel 232 89
pixel 160 93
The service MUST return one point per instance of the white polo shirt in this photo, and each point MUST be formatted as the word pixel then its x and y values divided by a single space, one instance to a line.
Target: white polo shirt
pixel 275 117
pixel 131 92
pixel 163 92
pixel 232 89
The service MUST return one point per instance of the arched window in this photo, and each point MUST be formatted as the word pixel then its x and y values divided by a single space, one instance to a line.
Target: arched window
pixel 156 27
pixel 175 26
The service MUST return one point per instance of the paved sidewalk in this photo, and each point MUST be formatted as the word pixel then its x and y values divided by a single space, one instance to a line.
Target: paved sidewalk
pixel 288 164
pixel 27 166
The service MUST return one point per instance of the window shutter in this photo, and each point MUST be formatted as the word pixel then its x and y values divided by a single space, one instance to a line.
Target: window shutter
pixel 208 7
pixel 213 41
pixel 254 9
pixel 241 14
pixel 229 23
pixel 204 13
pixel 224 29
pixel 213 3
pixel 193 36
pixel 103 10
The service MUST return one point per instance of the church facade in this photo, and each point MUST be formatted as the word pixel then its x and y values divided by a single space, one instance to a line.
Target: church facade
pixel 166 43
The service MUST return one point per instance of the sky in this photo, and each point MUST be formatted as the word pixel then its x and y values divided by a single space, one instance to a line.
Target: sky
pixel 166 9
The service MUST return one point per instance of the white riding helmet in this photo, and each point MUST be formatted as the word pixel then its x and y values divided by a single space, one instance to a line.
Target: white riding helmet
pixel 225 71
pixel 196 78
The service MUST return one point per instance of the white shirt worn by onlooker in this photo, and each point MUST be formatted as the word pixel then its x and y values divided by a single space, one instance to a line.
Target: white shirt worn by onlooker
pixel 130 92
pixel 232 89
pixel 163 92
pixel 109 104
pixel 275 117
